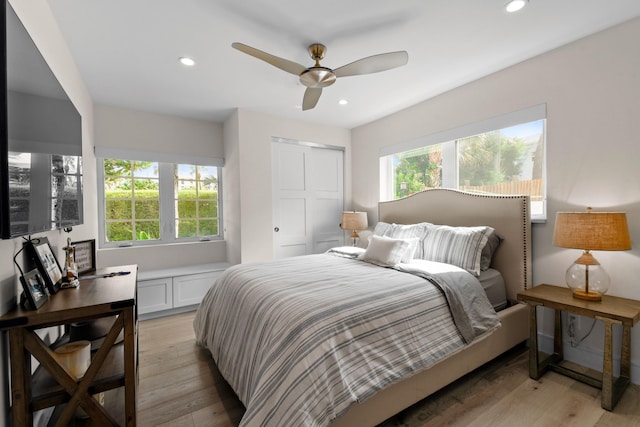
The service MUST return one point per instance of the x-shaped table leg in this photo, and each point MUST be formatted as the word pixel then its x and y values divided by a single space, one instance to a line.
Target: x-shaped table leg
pixel 78 391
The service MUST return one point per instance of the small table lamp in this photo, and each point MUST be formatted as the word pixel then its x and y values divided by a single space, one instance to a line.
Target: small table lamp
pixel 354 221
pixel 599 231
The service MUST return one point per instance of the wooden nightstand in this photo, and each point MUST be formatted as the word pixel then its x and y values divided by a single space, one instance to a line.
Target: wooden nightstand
pixel 611 311
pixel 112 366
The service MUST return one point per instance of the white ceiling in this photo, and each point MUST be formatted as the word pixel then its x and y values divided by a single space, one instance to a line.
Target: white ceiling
pixel 127 50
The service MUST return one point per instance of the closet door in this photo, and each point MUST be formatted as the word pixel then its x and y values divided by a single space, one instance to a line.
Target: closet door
pixel 308 198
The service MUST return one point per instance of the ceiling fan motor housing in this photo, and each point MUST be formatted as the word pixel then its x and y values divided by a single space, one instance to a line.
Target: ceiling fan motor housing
pixel 317 77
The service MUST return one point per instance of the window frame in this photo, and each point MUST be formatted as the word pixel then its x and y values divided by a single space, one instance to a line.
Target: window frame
pixel 166 197
pixel 449 143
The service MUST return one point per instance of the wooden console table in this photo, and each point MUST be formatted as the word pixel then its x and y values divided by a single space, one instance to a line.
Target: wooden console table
pixel 611 311
pixel 112 365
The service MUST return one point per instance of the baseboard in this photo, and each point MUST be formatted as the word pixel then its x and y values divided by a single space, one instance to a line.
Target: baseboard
pixel 163 313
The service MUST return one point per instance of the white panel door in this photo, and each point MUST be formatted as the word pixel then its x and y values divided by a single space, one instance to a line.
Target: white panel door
pixel 326 184
pixel 308 192
pixel 291 234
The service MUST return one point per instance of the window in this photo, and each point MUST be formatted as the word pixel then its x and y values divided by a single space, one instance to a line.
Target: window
pixel 505 160
pixel 147 202
pixel 196 201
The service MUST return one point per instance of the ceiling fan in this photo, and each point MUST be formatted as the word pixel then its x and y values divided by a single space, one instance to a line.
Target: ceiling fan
pixel 317 77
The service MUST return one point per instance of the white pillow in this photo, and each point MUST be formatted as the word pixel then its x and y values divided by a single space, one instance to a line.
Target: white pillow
pixel 415 245
pixel 384 251
pixel 407 231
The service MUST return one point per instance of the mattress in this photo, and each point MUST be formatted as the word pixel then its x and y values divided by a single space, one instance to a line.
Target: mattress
pixel 493 284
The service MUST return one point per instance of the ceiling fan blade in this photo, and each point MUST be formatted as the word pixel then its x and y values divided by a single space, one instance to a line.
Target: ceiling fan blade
pixel 311 97
pixel 283 64
pixel 373 64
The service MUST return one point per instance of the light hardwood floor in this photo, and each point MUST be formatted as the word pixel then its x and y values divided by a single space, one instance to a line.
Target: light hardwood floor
pixel 181 386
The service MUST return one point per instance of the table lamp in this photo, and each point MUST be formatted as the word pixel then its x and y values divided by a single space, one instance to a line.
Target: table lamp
pixel 598 231
pixel 354 221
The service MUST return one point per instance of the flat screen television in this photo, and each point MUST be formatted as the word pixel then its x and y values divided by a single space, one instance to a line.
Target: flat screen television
pixel 40 141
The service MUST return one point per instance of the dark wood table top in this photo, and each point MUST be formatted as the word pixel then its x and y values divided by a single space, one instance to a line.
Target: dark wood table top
pixel 95 297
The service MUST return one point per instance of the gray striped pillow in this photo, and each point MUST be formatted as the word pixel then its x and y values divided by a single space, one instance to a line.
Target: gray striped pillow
pixel 381 228
pixel 460 246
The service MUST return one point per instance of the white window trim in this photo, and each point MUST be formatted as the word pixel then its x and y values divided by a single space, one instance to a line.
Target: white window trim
pixel 149 156
pixel 166 162
pixel 531 114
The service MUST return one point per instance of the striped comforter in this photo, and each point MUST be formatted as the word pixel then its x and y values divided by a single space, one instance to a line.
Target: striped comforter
pixel 301 339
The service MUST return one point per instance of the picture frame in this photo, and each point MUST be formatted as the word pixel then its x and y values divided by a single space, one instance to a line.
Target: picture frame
pixel 84 255
pixel 42 254
pixel 34 289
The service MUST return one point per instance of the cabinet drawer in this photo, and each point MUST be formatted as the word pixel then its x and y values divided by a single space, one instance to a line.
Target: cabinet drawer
pixel 190 289
pixel 155 295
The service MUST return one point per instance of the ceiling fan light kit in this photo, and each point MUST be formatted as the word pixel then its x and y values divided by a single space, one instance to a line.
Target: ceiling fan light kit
pixel 316 77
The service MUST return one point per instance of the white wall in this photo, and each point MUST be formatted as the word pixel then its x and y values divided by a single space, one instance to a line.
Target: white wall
pixel 254 134
pixel 592 91
pixel 120 128
pixel 157 133
pixel 39 21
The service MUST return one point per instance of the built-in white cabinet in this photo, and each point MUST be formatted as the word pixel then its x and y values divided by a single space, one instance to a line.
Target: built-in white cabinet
pixel 174 290
pixel 155 295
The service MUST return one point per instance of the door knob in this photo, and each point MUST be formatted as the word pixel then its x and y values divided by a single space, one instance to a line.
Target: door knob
pixel 276 229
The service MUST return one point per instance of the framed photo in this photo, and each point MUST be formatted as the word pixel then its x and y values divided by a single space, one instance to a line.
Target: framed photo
pixel 34 290
pixel 46 262
pixel 85 255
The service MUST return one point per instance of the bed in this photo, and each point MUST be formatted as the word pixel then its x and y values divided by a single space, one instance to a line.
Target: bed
pixel 272 383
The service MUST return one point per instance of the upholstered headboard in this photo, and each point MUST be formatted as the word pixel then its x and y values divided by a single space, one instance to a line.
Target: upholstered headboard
pixel 508 215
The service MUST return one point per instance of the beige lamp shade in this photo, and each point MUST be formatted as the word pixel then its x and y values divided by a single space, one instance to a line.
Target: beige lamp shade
pixel 593 231
pixel 354 221
pixel 600 231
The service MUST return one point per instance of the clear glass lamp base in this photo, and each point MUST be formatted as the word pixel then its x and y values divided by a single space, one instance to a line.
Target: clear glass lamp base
pixel 588 282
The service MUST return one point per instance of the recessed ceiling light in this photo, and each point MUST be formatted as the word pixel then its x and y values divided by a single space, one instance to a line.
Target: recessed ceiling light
pixel 343 102
pixel 515 5
pixel 187 61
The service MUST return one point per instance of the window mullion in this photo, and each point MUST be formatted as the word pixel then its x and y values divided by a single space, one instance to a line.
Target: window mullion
pixel 167 198
pixel 450 164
